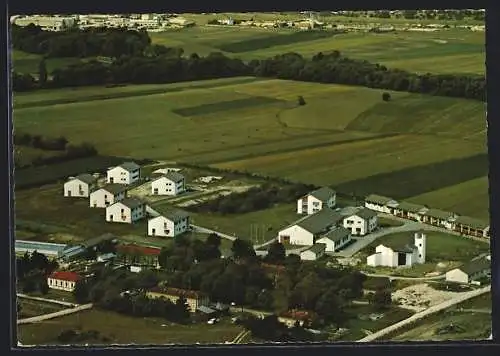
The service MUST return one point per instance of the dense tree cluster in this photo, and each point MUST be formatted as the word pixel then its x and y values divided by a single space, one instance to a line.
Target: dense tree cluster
pixel 271 329
pixel 40 142
pixel 32 271
pixel 257 198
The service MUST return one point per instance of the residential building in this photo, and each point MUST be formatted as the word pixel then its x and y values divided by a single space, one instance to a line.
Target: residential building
pixel 63 280
pixel 313 253
pixel 194 299
pixel 439 218
pixel 472 227
pixel 126 173
pixel 380 203
pixel 107 195
pixel 305 231
pixel 335 239
pixel 128 211
pixel 80 186
pixel 399 254
pixel 290 317
pixel 410 211
pixel 470 272
pixel 316 200
pixel 139 256
pixel 169 225
pixel 172 183
pixel 363 222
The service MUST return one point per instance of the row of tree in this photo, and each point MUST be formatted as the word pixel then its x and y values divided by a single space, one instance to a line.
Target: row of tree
pixel 32 270
pixel 40 142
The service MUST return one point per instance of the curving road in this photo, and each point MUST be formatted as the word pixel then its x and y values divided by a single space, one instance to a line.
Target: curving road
pixel 39 318
pixel 433 278
pixel 66 304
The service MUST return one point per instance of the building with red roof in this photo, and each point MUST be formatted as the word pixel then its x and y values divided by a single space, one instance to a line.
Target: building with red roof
pixel 136 255
pixel 63 280
pixel 194 299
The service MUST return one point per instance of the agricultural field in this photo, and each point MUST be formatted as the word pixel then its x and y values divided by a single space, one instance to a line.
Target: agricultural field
pixel 256 125
pixel 115 328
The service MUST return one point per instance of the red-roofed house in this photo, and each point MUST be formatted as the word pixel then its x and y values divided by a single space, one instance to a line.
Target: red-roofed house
pixel 138 255
pixel 290 317
pixel 63 280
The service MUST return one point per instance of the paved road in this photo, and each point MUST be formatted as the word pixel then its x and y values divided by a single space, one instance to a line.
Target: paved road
pixel 66 304
pixel 434 309
pixel 481 311
pixel 433 278
pixel 39 318
pixel 210 231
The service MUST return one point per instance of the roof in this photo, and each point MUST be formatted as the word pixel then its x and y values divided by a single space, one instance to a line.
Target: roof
pixel 97 240
pixel 378 199
pixel 178 292
pixel 440 214
pixel 115 188
pixel 323 194
pixel 174 176
pixel 174 215
pixel 138 250
pixel 131 202
pixel 348 211
pixel 129 166
pixel 337 234
pixel 297 315
pixel 365 213
pixel 475 266
pixel 413 208
pixel 86 178
pixel 405 246
pixel 317 248
pixel 206 310
pixel 474 223
pixel 320 221
pixel 65 276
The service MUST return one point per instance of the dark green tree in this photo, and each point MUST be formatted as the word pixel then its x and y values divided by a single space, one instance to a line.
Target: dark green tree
pixel 42 73
pixel 276 253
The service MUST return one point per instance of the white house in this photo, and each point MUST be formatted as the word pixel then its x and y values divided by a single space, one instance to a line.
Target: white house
pixel 395 255
pixel 380 203
pixel 439 218
pixel 80 186
pixel 126 173
pixel 172 183
pixel 470 272
pixel 107 195
pixel 128 211
pixel 410 211
pixel 313 253
pixel 305 231
pixel 316 200
pixel 169 225
pixel 362 222
pixel 63 280
pixel 335 239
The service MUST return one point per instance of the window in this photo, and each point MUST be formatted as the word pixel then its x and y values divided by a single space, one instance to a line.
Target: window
pixel 105 196
pixel 122 210
pixel 419 245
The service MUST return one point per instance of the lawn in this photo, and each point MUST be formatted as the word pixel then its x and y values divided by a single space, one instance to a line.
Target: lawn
pixel 30 308
pixel 23 62
pixel 26 155
pixel 482 302
pixel 117 328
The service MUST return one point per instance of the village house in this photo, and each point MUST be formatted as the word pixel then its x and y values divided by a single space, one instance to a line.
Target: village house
pixel 410 211
pixel 316 200
pixel 471 227
pixel 399 254
pixel 304 318
pixel 307 230
pixel 128 211
pixel 470 272
pixel 80 186
pixel 335 239
pixel 380 203
pixel 63 280
pixel 362 222
pixel 439 218
pixel 126 173
pixel 194 299
pixel 313 253
pixel 138 256
pixel 172 183
pixel 169 225
pixel 107 195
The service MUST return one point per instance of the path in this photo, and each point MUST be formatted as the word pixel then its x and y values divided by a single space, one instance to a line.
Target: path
pixel 425 313
pixel 205 230
pixel 39 318
pixel 66 304
pixel 481 311
pixel 241 336
pixel 438 277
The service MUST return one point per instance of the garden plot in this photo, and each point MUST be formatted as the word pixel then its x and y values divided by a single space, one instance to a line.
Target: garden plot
pixel 420 297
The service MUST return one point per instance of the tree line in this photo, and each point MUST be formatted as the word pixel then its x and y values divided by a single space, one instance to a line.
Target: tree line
pixel 159 64
pixel 32 271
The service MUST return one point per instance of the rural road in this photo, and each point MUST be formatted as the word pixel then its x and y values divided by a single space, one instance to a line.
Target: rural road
pixel 19 295
pixel 39 318
pixel 434 309
pixel 441 276
pixel 210 231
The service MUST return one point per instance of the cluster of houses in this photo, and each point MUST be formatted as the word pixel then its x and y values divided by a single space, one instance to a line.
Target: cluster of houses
pixel 120 208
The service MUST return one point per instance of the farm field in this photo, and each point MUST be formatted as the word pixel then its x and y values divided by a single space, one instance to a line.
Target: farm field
pixel 116 328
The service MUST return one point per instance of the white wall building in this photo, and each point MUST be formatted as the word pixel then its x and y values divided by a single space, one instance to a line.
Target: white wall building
pixel 316 200
pixel 169 225
pixel 107 195
pixel 126 173
pixel 172 183
pixel 380 203
pixel 312 254
pixel 397 255
pixel 80 186
pixel 128 211
pixel 335 239
pixel 362 222
pixel 63 280
pixel 470 272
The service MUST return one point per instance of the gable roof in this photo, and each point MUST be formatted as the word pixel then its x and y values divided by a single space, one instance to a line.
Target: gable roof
pixel 337 234
pixel 317 248
pixel 174 176
pixel 131 202
pixel 323 193
pixel 365 213
pixel 139 250
pixel 475 266
pixel 474 223
pixel 86 178
pixel 412 208
pixel 176 215
pixel 377 199
pixel 129 166
pixel 319 221
pixel 439 214
pixel 405 246
pixel 177 292
pixel 114 188
pixel 65 276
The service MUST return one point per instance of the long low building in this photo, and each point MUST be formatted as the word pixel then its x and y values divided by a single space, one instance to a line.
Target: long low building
pixel 45 248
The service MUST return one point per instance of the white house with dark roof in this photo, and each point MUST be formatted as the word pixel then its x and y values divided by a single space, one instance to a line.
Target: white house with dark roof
pixel 362 222
pixel 126 173
pixel 380 203
pixel 169 225
pixel 171 183
pixel 80 186
pixel 305 231
pixel 335 239
pixel 107 195
pixel 471 227
pixel 439 218
pixel 128 211
pixel 410 211
pixel 313 253
pixel 399 254
pixel 470 272
pixel 316 200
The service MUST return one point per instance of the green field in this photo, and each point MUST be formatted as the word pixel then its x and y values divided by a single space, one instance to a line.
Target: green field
pixel 117 328
pixel 28 62
pixel 30 308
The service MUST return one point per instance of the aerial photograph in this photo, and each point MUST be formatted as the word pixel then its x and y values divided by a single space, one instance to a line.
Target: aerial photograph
pixel 250 178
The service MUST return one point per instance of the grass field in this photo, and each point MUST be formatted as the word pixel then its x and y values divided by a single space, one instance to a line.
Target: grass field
pixel 30 308
pixel 28 62
pixel 26 155
pixel 117 328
